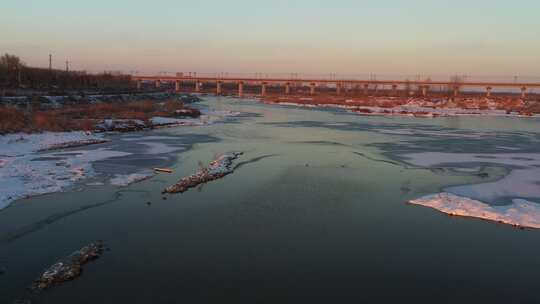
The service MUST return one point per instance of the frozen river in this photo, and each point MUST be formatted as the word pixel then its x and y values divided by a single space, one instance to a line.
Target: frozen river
pixel 315 211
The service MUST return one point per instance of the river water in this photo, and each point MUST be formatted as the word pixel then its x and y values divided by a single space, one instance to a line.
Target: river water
pixel 315 212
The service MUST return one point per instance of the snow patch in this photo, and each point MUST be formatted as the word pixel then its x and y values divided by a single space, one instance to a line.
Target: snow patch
pixel 24 172
pixel 520 213
pixel 125 180
pixel 523 180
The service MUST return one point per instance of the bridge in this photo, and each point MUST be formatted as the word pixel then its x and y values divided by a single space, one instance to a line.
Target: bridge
pixel 339 84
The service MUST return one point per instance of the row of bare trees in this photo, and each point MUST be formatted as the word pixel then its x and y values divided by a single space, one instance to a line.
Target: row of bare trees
pixel 15 74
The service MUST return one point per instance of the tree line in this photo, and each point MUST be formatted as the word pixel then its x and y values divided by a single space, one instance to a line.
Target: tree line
pixel 15 74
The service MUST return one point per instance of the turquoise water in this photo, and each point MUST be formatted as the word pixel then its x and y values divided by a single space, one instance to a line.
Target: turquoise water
pixel 315 212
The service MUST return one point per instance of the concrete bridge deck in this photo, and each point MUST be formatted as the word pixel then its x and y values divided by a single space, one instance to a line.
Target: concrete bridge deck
pixel 339 83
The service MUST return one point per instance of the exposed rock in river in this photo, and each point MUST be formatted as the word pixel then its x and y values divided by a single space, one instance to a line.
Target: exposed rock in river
pixel 68 268
pixel 217 169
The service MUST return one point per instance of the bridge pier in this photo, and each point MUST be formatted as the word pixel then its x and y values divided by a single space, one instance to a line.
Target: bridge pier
pixel 312 88
pixel 197 86
pixel 177 86
pixel 366 87
pixel 287 88
pixel 424 91
pixel 338 88
pixel 456 91
pixel 263 89
pixel 488 92
pixel 523 92
pixel 394 89
pixel 241 89
pixel 157 83
pixel 218 88
pixel 139 84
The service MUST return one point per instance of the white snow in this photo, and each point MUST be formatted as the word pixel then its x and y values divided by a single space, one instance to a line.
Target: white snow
pixel 151 137
pixel 128 179
pixel 24 172
pixel 411 110
pixel 162 121
pixel 520 213
pixel 207 117
pixel 522 182
pixel 159 148
pixel 22 144
pixel 420 132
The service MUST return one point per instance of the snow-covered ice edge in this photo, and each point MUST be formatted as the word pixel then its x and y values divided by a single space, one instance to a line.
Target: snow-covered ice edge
pixel 25 170
pixel 410 110
pixel 521 213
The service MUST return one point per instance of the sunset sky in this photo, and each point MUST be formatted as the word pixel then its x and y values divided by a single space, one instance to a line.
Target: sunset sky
pixel 477 37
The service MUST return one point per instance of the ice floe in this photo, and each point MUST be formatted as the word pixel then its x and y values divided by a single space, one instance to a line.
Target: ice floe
pixel 520 213
pixel 128 179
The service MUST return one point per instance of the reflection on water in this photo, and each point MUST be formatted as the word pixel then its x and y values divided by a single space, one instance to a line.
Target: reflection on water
pixel 315 212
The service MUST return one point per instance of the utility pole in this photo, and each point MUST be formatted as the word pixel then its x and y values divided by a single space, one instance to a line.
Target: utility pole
pixel 19 74
pixel 50 71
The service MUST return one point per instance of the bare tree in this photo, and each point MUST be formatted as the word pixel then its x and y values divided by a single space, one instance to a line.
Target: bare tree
pixel 10 62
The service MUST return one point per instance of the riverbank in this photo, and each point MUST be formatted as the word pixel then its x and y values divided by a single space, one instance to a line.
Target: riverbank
pixel 46 162
pixel 417 106
pixel 94 116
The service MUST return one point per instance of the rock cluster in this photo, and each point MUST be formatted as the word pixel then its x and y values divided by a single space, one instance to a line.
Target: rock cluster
pixel 68 268
pixel 217 169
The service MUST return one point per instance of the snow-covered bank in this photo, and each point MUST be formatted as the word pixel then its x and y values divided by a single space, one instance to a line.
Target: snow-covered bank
pixel 411 110
pixel 25 171
pixel 31 164
pixel 520 213
pixel 22 143
pixel 126 125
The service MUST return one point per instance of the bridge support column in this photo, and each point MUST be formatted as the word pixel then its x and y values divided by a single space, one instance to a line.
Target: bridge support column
pixel 312 88
pixel 424 90
pixel 263 89
pixel 157 84
pixel 197 86
pixel 177 86
pixel 338 88
pixel 240 89
pixel 523 93
pixel 394 89
pixel 366 87
pixel 139 85
pixel 287 88
pixel 218 88
pixel 488 92
pixel 456 91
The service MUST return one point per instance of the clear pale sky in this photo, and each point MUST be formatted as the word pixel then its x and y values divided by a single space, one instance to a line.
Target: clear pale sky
pixel 477 37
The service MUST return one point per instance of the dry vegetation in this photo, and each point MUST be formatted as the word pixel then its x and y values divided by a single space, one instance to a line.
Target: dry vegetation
pixel 506 103
pixel 85 117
